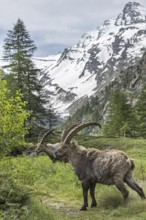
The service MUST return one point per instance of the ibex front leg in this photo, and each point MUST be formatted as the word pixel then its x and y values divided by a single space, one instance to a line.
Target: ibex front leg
pixel 85 188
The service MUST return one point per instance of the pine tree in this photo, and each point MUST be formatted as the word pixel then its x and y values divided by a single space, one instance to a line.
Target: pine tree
pixel 95 115
pixel 18 49
pixel 23 75
pixel 141 113
pixel 120 116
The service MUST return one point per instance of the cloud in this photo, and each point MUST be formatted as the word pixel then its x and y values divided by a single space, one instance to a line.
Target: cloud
pixel 58 22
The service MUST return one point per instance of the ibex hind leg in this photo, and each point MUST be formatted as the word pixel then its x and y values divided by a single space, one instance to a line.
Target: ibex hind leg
pixel 122 188
pixel 134 185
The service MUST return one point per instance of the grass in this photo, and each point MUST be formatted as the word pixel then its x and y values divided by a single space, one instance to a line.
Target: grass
pixel 34 188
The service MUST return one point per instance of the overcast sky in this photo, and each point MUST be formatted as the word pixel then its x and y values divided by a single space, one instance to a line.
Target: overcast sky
pixel 57 24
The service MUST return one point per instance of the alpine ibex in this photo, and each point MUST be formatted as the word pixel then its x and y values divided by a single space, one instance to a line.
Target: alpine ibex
pixel 51 149
pixel 109 167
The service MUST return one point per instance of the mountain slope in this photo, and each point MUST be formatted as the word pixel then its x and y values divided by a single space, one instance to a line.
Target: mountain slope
pixel 88 67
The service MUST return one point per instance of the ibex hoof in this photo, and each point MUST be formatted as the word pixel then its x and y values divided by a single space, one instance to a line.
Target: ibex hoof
pixel 93 205
pixel 83 208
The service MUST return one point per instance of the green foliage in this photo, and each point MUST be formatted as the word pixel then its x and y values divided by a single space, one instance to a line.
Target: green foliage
pixel 141 113
pixel 120 116
pixel 18 49
pixel 35 210
pixel 13 195
pixel 35 188
pixel 12 118
pixel 23 74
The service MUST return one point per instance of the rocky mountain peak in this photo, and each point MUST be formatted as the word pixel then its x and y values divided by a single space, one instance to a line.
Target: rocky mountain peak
pixel 87 68
pixel 133 13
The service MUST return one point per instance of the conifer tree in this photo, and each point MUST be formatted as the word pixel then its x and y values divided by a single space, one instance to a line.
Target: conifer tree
pixel 141 113
pixel 120 116
pixel 18 49
pixel 23 75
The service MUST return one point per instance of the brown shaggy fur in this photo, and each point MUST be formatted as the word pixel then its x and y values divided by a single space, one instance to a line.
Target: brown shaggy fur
pixel 109 167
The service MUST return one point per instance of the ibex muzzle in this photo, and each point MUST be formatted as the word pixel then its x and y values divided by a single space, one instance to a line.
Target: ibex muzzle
pixel 49 149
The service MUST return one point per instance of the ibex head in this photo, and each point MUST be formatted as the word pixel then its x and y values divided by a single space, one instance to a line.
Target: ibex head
pixel 48 148
pixel 58 151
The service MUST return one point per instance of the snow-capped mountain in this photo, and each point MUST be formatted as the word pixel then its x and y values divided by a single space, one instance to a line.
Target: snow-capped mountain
pixel 86 68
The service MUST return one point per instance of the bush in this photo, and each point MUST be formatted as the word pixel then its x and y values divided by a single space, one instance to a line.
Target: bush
pixel 12 117
pixel 12 196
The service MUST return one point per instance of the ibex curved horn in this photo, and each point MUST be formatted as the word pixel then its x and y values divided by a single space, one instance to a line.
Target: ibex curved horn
pixel 40 136
pixel 67 130
pixel 77 129
pixel 40 139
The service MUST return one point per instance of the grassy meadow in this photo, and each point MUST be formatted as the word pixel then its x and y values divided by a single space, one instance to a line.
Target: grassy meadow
pixel 34 188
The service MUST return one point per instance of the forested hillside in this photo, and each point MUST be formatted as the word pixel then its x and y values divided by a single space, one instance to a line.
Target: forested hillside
pixel 130 89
